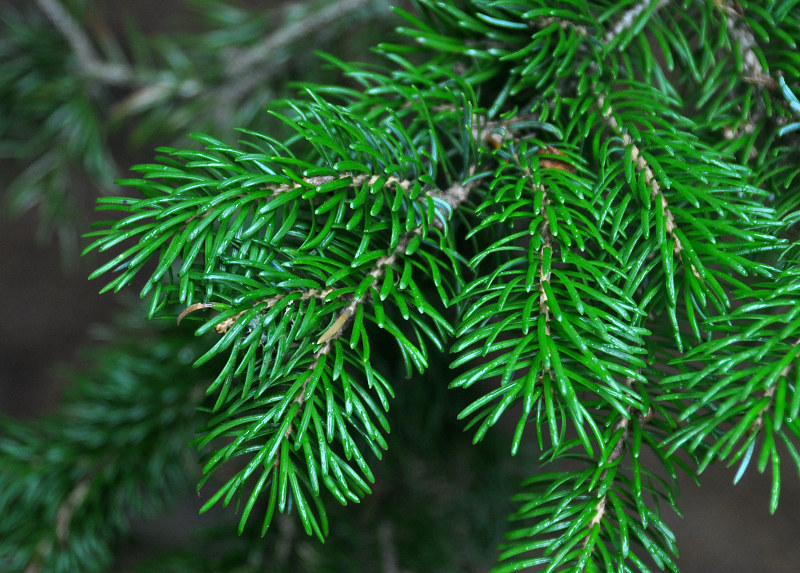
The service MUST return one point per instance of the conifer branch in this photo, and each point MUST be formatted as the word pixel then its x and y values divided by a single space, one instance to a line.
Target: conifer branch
pixel 225 325
pixel 88 60
pixel 752 70
pixel 244 70
pixel 769 393
pixel 742 36
pixel 628 19
pixel 60 531
pixel 617 453
pixel 426 189
pixel 656 190
pixel 564 24
pixel 266 53
pixel 456 194
pixel 327 339
pixel 150 87
pixel 545 254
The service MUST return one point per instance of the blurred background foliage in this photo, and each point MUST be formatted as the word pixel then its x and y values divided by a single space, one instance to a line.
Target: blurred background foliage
pixel 87 88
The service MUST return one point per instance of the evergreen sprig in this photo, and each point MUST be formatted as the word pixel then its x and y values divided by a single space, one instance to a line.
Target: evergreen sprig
pixel 591 207
pixel 293 253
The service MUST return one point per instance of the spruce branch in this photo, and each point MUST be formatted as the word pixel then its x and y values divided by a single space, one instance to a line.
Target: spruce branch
pixel 752 71
pixel 538 196
pixel 255 64
pixel 115 451
pixel 743 37
pixel 630 18
pixel 306 424
pixel 61 530
pixel 650 181
pixel 244 69
pixel 88 59
pixel 621 429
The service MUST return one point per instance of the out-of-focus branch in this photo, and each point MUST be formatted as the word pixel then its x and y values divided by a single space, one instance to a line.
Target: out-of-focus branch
pixel 627 20
pixel 89 62
pixel 243 69
pixel 72 32
pixel 273 45
pixel 246 70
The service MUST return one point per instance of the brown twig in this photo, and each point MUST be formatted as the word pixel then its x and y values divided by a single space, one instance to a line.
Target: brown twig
pixel 244 70
pixel 627 20
pixel 63 519
pixel 617 454
pixel 88 60
pixel 656 191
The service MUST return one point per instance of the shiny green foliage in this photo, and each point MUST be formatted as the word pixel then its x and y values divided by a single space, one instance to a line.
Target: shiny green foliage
pixel 603 228
pixel 745 398
pixel 588 210
pixel 302 261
